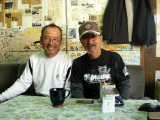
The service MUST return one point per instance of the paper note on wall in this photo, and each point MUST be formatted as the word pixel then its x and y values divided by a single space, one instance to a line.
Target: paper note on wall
pixel 27 21
pixel 130 57
pixel 87 6
pixel 15 4
pixel 17 17
pixel 75 14
pixel 55 11
pixel 36 16
pixel 45 8
pixel 14 24
pixel 73 34
pixel 95 17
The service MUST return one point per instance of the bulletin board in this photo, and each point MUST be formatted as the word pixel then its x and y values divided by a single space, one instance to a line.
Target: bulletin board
pixel 21 22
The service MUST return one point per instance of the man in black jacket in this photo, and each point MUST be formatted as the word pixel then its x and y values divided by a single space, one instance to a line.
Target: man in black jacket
pixel 97 65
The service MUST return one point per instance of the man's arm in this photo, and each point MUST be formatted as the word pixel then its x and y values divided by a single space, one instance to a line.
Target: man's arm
pixel 122 77
pixel 76 82
pixel 77 90
pixel 123 88
pixel 67 82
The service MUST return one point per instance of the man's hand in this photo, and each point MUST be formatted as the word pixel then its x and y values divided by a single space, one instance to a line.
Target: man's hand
pixel 0 102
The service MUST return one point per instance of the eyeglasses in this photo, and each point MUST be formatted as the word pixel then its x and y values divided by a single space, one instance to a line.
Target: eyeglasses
pixel 92 37
pixel 48 39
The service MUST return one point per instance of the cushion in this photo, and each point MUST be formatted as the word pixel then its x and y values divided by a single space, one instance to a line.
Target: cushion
pixel 8 75
pixel 137 81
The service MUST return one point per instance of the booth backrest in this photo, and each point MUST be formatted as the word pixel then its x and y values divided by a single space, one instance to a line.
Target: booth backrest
pixel 137 81
pixel 10 72
pixel 8 75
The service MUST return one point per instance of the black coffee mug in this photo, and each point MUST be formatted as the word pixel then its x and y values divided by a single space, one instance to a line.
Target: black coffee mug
pixel 57 96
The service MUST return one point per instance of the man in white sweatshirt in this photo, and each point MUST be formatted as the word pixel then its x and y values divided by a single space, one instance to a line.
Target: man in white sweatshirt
pixel 47 69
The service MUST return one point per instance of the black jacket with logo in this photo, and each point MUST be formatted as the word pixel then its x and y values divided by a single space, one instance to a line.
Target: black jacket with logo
pixel 87 74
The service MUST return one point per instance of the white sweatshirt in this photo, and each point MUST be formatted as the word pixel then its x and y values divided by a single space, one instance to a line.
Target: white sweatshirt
pixel 47 73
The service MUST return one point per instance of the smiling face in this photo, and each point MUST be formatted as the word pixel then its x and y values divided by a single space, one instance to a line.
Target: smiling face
pixel 51 41
pixel 91 43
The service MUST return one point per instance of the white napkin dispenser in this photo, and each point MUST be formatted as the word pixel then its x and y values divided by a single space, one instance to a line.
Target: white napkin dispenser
pixel 107 97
